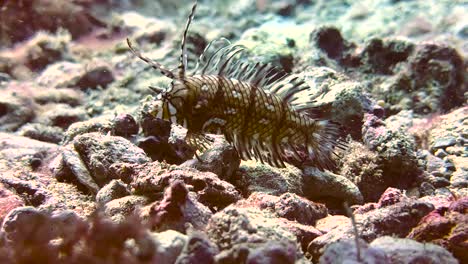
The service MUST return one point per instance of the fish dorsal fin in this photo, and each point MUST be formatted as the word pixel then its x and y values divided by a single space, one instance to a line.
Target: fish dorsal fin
pixel 183 55
pixel 222 58
pixel 156 65
pixel 217 58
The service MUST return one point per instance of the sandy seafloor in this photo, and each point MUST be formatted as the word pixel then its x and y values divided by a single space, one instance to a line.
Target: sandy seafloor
pixel 89 174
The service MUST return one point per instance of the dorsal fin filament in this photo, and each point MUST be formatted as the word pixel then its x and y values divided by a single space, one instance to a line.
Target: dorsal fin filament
pixel 156 65
pixel 183 56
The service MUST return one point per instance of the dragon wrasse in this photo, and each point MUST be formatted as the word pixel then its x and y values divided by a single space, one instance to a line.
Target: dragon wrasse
pixel 259 109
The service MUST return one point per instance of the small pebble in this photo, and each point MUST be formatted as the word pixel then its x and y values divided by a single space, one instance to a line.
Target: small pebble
pixel 444 142
pixel 381 103
pixel 378 111
pixel 439 182
pixel 449 166
pixel 125 125
pixel 440 153
pixel 456 150
pixel 426 189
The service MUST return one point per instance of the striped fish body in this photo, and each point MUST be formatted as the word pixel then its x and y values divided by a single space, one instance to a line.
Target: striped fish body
pixel 261 110
pixel 258 123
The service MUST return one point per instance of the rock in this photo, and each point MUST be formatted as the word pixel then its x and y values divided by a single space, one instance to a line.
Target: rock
pixel 31 228
pixel 440 70
pixel 125 125
pixel 236 254
pixel 60 75
pixel 42 132
pixel 257 177
pixel 382 56
pixel 296 208
pixel 426 189
pixel 292 212
pixel 433 163
pixel 378 109
pixel 327 186
pixel 331 222
pixel 177 209
pixel 447 134
pixel 6 68
pixel 98 124
pixel 365 208
pixel 447 226
pixel 156 132
pixel 449 166
pixel 4 77
pixel 221 158
pixel 92 160
pixel 170 244
pixel 288 205
pixel 8 201
pixel 455 150
pixel 45 48
pixel 99 153
pixel 61 115
pixel 69 167
pixel 22 20
pixel 27 224
pixel 119 209
pixel 15 110
pixel 113 190
pixel 146 29
pixel 430 79
pixel 273 253
pixel 396 152
pixel 74 75
pixel 274 42
pixel 416 27
pixel 127 240
pixel 68 227
pixel 401 250
pixel 362 167
pixel 198 249
pixel 323 78
pixel 35 192
pixel 23 166
pixel 397 219
pixel 343 102
pixel 16 148
pixel 391 196
pixel 439 182
pixel 345 252
pixel 67 96
pixel 156 148
pixel 440 153
pixel 96 74
pixel 180 150
pixel 459 179
pixel 31 236
pixel 284 8
pixel 153 178
pixel 163 141
pixel 442 143
pixel 254 227
pixel 329 40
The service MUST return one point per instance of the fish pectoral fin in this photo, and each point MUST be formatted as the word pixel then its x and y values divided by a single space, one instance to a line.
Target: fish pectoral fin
pixel 198 142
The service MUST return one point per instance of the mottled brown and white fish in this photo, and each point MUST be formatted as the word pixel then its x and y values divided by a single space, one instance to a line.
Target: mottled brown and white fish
pixel 262 111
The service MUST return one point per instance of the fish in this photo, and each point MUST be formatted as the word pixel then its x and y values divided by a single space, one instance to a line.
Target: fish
pixel 262 111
